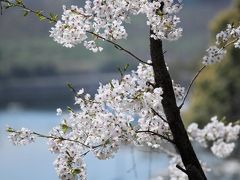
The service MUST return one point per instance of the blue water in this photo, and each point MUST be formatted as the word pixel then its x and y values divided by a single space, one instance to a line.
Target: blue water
pixel 34 161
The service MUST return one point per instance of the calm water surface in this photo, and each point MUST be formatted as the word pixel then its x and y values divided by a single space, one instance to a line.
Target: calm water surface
pixel 34 161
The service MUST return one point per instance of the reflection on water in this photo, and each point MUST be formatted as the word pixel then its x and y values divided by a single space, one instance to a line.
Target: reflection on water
pixel 35 161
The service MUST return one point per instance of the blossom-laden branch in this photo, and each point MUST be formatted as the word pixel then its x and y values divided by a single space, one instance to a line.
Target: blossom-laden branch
pixel 19 3
pixel 228 37
pixel 216 53
pixel 231 36
pixel 25 136
pixel 104 121
pixel 219 136
pixel 54 19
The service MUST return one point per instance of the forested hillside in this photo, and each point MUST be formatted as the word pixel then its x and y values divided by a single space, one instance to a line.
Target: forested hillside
pixel 26 49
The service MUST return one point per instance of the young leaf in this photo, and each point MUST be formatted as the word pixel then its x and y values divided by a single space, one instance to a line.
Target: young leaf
pixel 70 109
pixel 70 86
pixel 126 67
pixel 64 127
pixel 42 18
pixel 20 2
pixel 75 171
pixel 53 17
pixel 9 129
pixel 26 12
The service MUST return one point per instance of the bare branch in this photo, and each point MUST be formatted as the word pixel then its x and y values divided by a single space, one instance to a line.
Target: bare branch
pixel 119 47
pixel 159 135
pixel 183 170
pixel 197 74
pixel 60 138
pixel 65 139
pixel 155 112
pixel 190 85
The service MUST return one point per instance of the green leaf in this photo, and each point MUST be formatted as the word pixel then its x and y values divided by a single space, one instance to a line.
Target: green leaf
pixel 70 109
pixel 51 14
pixel 224 119
pixel 10 130
pixel 126 67
pixel 19 2
pixel 70 86
pixel 75 171
pixel 53 17
pixel 40 15
pixel 112 87
pixel 66 26
pixel 42 18
pixel 26 12
pixel 65 128
pixel 120 71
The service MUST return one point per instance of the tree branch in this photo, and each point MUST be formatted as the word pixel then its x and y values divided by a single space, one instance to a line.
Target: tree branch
pixel 190 85
pixel 180 168
pixel 119 47
pixel 159 135
pixel 155 112
pixel 163 79
pixel 116 45
pixel 64 139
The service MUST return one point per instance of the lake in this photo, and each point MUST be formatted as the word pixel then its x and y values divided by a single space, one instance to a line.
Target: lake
pixel 34 161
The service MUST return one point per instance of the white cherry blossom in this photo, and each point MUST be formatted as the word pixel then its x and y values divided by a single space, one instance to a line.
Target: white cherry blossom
pixel 215 53
pixel 22 137
pixel 219 136
pixel 107 19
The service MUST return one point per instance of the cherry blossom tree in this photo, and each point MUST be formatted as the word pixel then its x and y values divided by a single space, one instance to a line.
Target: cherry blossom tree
pixel 106 120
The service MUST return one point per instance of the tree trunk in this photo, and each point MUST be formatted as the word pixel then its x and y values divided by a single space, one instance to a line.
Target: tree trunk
pixel 172 112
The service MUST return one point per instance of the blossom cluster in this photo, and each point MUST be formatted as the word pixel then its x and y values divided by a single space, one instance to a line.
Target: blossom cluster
pixel 122 111
pixel 106 18
pixel 215 53
pixel 107 120
pixel 22 137
pixel 217 135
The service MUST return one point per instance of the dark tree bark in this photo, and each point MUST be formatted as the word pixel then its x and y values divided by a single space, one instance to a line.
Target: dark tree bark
pixel 172 112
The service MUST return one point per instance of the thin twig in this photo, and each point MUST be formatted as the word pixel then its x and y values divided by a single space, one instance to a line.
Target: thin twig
pixel 84 154
pixel 190 85
pixel 231 42
pixel 159 135
pixel 195 77
pixel 155 112
pixel 180 168
pixel 28 9
pixel 60 138
pixel 119 47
